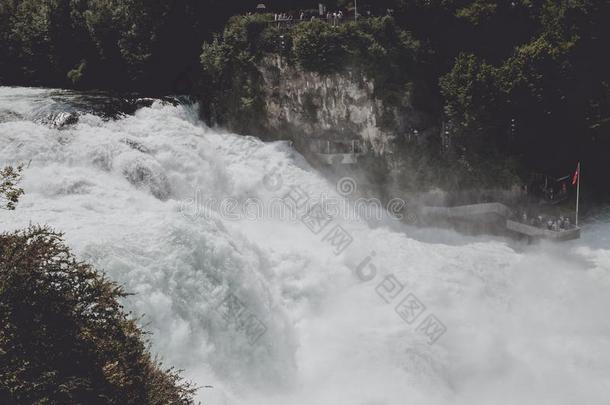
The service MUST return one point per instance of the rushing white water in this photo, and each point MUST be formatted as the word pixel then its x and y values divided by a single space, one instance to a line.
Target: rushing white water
pixel 525 324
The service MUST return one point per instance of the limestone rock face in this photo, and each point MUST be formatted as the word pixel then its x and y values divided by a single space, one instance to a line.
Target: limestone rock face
pixel 334 106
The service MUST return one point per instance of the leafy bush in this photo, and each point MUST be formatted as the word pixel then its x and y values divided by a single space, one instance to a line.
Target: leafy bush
pixel 471 92
pixel 10 192
pixel 319 47
pixel 376 45
pixel 231 84
pixel 64 336
pixel 76 75
pixel 129 44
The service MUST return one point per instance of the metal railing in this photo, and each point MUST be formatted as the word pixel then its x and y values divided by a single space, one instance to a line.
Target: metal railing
pixel 288 23
pixel 335 147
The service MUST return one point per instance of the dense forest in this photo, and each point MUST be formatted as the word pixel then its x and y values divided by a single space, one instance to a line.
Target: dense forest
pixel 525 79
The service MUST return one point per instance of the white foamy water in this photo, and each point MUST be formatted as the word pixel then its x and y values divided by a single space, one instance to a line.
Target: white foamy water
pixel 525 324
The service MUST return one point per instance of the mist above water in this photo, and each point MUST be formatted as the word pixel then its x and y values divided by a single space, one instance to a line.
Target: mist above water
pixel 524 324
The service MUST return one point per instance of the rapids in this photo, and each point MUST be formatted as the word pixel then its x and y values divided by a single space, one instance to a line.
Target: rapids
pixel 266 311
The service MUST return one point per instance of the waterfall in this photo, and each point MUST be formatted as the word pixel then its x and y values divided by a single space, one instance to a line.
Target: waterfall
pixel 302 308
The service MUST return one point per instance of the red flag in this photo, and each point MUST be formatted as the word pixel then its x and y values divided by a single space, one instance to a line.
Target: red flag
pixel 576 174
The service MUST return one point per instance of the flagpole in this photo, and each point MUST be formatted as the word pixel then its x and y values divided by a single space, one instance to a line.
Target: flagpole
pixel 577 191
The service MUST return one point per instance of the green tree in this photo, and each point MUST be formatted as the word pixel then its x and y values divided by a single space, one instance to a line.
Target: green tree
pixel 231 83
pixel 64 336
pixel 29 32
pixel 10 192
pixel 319 47
pixel 473 98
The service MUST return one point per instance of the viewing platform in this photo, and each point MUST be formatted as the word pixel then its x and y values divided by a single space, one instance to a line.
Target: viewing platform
pixel 535 232
pixel 289 23
pixel 467 212
pixel 337 152
pixel 496 217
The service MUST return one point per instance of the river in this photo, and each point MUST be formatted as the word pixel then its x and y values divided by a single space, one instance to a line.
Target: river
pixel 273 309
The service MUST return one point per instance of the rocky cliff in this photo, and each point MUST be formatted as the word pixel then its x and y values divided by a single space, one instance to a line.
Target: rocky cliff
pixel 305 105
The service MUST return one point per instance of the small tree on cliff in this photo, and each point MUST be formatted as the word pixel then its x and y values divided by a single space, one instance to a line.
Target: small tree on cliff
pixel 9 187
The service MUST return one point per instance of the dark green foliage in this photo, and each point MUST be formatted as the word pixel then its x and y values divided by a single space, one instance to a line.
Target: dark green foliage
pixel 149 46
pixel 28 36
pixel 310 106
pixel 231 84
pixel 319 47
pixel 76 75
pixel 378 46
pixel 539 99
pixel 10 192
pixel 64 337
pixel 473 98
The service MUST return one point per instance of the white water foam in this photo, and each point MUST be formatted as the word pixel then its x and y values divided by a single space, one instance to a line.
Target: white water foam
pixel 524 325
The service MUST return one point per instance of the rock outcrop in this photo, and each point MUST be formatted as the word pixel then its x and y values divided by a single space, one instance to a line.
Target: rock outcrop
pixel 308 105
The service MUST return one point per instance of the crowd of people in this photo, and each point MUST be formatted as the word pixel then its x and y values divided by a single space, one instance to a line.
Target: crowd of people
pixel 284 17
pixel 546 221
pixel 334 18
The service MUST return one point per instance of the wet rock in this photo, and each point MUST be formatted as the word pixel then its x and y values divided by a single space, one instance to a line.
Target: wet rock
pixel 145 173
pixel 61 120
pixel 136 145
pixel 8 116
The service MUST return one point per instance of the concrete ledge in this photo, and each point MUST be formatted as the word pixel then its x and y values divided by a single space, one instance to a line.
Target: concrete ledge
pixel 468 211
pixel 541 233
pixel 338 158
